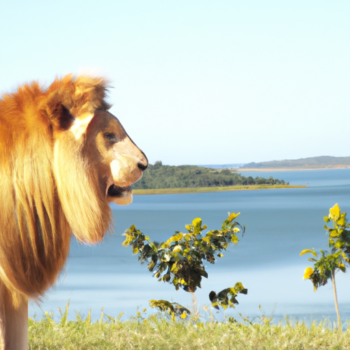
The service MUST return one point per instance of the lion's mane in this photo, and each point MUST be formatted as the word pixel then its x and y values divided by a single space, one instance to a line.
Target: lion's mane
pixel 48 186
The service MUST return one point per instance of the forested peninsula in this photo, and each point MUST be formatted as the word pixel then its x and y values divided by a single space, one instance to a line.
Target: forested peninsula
pixel 160 176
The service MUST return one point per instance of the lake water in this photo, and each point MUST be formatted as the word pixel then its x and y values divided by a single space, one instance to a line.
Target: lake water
pixel 279 224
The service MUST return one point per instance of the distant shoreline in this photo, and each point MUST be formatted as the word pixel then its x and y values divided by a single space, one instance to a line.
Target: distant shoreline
pixel 294 168
pixel 211 189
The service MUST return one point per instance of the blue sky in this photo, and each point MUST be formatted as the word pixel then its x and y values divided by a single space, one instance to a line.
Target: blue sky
pixel 198 82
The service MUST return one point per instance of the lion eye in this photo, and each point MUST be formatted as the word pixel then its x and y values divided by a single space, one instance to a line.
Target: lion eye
pixel 111 137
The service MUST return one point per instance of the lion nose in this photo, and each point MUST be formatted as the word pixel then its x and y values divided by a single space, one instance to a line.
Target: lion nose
pixel 142 167
pixel 143 164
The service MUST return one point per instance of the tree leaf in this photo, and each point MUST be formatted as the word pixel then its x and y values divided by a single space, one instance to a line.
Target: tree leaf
pixel 308 272
pixel 166 257
pixel 339 244
pixel 341 267
pixel 238 287
pixel 308 251
pixel 335 233
pixel 177 248
pixel 334 212
pixel 188 228
pixel 154 248
pixel 197 222
pixel 183 315
pixel 234 239
pixel 232 216
pixel 173 268
pixel 206 239
pixel 174 238
pixel 341 221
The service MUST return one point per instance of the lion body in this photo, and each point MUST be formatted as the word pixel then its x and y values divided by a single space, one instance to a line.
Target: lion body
pixel 63 158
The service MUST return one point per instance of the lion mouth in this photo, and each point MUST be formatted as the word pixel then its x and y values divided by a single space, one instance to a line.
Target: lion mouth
pixel 116 191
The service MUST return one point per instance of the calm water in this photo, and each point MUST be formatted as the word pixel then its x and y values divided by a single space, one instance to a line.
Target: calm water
pixel 280 223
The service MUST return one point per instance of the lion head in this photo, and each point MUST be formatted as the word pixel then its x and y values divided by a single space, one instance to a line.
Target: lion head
pixel 63 158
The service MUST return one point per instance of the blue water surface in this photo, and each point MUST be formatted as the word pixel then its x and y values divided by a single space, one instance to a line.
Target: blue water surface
pixel 279 224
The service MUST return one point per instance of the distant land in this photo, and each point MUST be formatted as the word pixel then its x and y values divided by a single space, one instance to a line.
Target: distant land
pixel 322 162
pixel 222 166
pixel 167 179
pixel 159 176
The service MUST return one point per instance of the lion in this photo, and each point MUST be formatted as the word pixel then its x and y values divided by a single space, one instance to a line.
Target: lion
pixel 63 158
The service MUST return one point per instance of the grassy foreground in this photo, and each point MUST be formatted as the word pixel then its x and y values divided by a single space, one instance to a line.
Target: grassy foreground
pixel 157 332
pixel 211 189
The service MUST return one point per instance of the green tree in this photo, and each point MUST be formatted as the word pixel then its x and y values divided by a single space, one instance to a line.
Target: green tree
pixel 179 260
pixel 174 309
pixel 158 164
pixel 327 264
pixel 227 297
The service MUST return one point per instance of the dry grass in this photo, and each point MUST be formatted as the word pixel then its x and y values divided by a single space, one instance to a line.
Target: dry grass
pixel 159 332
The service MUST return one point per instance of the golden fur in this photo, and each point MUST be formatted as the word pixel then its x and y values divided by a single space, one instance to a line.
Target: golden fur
pixel 49 186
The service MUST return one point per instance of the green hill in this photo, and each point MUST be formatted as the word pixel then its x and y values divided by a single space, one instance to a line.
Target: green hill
pixel 312 162
pixel 165 176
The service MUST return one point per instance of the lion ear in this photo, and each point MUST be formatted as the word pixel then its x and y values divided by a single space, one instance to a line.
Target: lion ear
pixel 71 102
pixel 79 126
